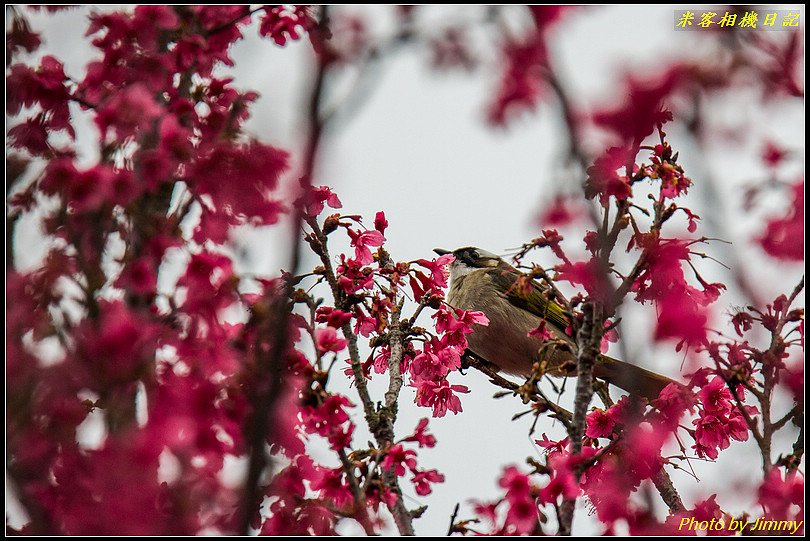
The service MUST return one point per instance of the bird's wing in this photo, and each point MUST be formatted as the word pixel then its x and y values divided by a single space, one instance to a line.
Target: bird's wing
pixel 528 294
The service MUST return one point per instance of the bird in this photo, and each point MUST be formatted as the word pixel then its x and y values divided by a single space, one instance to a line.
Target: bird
pixel 483 282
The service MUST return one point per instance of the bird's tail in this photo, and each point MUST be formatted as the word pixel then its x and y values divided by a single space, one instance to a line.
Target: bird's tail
pixel 631 378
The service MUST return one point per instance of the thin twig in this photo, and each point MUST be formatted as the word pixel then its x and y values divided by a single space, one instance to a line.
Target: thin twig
pixel 483 365
pixel 451 528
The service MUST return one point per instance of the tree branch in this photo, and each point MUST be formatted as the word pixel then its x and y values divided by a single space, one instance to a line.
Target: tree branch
pixel 544 404
pixel 358 493
pixel 663 483
pixel 387 417
pixel 588 338
pixel 267 389
pixel 341 303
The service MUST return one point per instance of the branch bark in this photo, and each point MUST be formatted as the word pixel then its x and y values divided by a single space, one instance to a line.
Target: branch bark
pixel 588 338
pixel 663 483
pixel 387 417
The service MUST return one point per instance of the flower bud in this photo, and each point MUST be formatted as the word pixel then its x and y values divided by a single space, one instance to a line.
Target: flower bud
pixel 331 223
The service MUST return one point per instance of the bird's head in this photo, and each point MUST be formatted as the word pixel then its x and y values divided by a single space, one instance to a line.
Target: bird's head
pixel 469 259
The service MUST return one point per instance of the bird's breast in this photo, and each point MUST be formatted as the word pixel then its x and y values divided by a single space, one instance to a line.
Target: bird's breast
pixel 505 341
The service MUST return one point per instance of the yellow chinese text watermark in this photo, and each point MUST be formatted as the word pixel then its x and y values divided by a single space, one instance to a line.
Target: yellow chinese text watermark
pixel 760 18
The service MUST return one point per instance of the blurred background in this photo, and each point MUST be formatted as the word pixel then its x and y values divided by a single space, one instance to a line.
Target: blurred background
pixel 412 136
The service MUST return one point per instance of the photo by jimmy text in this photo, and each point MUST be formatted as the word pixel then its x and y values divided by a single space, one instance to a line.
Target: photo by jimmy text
pixel 791 527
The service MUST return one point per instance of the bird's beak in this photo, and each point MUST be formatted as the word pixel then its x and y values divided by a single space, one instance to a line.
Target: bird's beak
pixel 441 251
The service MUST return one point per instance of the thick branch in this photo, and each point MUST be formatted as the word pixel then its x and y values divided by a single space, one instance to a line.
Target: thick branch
pixel 588 337
pixel 387 417
pixel 394 366
pixel 265 392
pixel 360 509
pixel 663 483
pixel 402 517
pixel 795 458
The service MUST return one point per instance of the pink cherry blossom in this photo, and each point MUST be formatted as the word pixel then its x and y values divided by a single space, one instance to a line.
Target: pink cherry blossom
pixel 422 481
pixel 380 223
pixel 361 240
pixel 441 396
pixel 520 86
pixel 284 23
pixel 437 359
pixel 599 424
pixel 541 332
pixel 332 317
pixel 782 494
pixel 420 435
pixel 716 397
pixel 782 235
pixel 439 272
pixel 521 515
pixel 326 339
pixel 398 458
pixel 604 179
pixel 315 199
pixel 332 486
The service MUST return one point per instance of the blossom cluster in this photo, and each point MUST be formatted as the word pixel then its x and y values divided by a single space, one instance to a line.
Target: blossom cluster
pixel 161 370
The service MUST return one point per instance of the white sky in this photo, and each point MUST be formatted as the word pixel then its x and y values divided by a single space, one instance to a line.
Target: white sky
pixel 419 149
